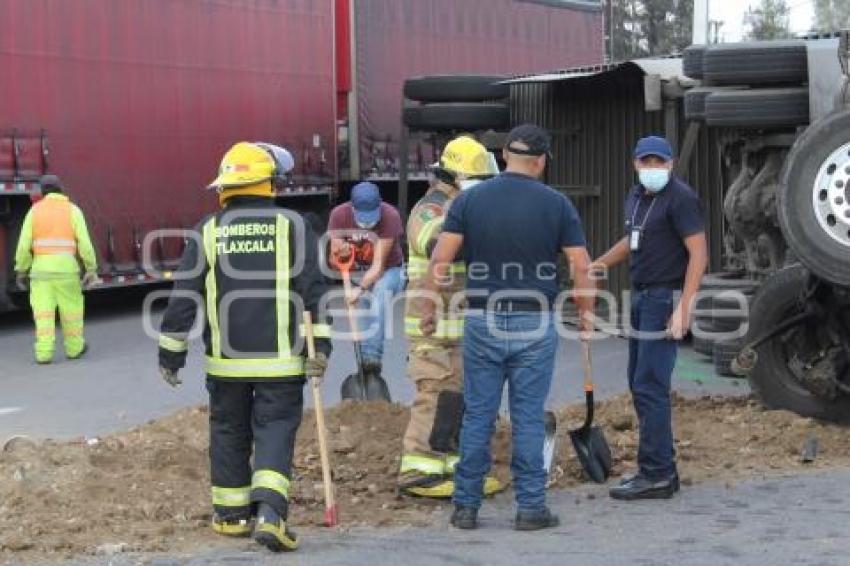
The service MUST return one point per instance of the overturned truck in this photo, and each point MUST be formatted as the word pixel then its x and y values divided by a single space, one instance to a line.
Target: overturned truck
pixel 763 134
pixel 782 111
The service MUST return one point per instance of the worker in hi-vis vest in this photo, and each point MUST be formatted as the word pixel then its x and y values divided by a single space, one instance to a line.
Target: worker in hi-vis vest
pixel 53 237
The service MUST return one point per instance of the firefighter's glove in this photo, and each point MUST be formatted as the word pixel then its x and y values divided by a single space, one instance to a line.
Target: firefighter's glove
pixel 315 367
pixel 21 281
pixel 170 376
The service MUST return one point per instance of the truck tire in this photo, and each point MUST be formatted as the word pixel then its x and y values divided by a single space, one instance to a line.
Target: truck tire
pixel 456 88
pixel 772 380
pixel 756 63
pixel 758 108
pixel 692 61
pixel 703 345
pixel 813 199
pixel 724 351
pixel 458 116
pixel 695 100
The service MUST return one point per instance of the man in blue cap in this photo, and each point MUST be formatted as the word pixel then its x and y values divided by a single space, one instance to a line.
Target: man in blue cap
pixel 666 248
pixel 371 230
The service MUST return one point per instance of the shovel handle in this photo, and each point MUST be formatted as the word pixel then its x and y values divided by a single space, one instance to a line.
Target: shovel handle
pixel 331 518
pixel 588 372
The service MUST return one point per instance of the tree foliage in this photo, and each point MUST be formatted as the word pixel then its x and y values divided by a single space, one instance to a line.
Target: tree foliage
pixel 769 20
pixel 644 28
pixel 832 15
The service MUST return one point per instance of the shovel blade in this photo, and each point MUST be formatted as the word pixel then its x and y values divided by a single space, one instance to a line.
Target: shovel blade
pixel 352 388
pixel 371 388
pixel 593 452
pixel 377 389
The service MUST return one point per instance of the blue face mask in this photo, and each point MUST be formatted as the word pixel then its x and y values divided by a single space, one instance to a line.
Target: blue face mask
pixel 654 179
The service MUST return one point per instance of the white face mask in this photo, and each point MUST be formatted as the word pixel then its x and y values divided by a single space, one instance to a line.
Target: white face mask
pixel 654 179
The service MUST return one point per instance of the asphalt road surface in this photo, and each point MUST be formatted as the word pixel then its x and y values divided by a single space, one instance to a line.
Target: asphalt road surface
pixel 117 384
pixel 795 520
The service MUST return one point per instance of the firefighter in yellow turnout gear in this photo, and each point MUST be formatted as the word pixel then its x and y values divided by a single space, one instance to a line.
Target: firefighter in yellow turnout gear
pixel 255 267
pixel 53 235
pixel 435 362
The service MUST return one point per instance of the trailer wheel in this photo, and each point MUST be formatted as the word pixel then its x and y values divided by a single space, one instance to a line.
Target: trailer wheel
pixel 456 88
pixel 460 116
pixel 695 100
pixel 756 63
pixel 772 380
pixel 758 108
pixel 692 61
pixel 814 198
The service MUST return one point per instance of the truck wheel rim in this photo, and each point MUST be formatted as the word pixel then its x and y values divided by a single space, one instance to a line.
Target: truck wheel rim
pixel 831 195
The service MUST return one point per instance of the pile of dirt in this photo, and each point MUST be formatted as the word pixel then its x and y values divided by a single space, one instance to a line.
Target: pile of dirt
pixel 148 489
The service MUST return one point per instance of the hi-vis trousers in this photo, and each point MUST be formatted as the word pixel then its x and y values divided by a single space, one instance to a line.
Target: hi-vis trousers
pixel 46 296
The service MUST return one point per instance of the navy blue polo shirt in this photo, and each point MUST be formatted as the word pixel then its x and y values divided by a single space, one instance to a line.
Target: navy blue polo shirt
pixel 677 213
pixel 514 227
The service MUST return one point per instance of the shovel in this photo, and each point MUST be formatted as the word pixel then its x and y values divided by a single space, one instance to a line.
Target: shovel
pixel 331 513
pixel 589 441
pixel 550 442
pixel 358 385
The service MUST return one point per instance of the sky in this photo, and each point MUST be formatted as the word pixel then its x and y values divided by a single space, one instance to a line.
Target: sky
pixel 731 12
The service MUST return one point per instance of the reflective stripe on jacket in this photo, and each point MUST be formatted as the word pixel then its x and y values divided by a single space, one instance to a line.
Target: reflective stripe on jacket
pixel 423 229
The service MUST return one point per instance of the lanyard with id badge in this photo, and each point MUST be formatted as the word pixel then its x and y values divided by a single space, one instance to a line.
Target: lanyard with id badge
pixel 636 234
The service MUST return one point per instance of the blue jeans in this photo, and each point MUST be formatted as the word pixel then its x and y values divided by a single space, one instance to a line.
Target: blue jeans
pixel 373 326
pixel 526 363
pixel 651 362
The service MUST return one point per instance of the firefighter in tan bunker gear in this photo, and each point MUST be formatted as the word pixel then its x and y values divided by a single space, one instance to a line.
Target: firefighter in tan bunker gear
pixel 435 362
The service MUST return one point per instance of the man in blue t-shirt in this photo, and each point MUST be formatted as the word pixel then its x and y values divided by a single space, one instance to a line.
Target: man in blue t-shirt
pixel 511 229
pixel 666 248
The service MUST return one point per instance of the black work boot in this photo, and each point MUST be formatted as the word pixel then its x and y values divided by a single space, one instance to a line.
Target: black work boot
pixel 536 520
pixel 465 517
pixel 641 487
pixel 271 531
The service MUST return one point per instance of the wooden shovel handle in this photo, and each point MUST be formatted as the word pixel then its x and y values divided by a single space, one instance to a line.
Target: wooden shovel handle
pixel 588 372
pixel 331 519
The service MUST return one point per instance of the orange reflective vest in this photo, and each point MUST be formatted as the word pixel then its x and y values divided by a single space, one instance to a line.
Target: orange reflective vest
pixel 52 230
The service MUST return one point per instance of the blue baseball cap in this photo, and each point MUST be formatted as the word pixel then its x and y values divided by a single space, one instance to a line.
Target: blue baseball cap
pixel 653 145
pixel 366 202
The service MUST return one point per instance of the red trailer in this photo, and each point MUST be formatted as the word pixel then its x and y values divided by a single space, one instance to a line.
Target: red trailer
pixel 133 103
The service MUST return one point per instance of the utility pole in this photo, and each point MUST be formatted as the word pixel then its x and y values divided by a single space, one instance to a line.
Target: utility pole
pixel 701 23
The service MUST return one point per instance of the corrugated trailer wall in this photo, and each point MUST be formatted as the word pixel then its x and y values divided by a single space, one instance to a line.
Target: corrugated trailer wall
pixel 398 39
pixel 595 122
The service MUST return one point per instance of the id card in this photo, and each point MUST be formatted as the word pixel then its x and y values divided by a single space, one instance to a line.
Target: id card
pixel 634 240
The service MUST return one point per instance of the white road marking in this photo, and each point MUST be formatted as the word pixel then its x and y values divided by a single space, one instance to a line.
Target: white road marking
pixel 9 410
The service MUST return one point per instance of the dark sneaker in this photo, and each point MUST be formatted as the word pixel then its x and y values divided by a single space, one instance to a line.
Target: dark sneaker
pixel 641 487
pixel 465 517
pixel 536 520
pixel 674 479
